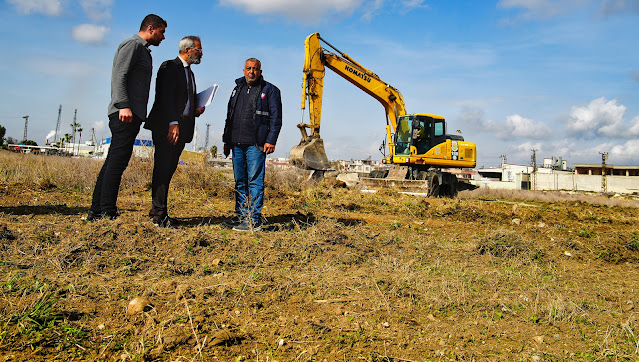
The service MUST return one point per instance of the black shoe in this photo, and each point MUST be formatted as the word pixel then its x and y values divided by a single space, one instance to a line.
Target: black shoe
pixel 93 216
pixel 110 215
pixel 248 225
pixel 234 221
pixel 165 221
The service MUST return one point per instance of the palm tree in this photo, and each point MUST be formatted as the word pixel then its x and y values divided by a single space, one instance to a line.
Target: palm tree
pixel 74 127
pixel 67 138
pixel 79 138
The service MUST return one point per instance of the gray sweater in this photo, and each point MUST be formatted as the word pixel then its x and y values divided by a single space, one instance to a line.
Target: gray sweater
pixel 131 77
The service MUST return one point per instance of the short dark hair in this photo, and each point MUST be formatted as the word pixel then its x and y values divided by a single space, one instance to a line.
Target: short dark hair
pixel 152 20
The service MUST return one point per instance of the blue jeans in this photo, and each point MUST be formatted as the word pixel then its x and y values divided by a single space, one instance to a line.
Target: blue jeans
pixel 248 169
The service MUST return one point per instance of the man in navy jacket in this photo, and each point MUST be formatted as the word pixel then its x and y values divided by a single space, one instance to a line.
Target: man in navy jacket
pixel 253 123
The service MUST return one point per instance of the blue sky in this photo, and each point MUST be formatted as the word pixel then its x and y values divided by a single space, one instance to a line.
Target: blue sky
pixel 561 77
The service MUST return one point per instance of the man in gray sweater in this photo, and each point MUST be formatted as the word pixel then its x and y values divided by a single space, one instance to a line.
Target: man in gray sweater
pixel 130 83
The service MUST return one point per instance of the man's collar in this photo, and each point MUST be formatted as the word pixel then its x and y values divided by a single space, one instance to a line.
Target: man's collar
pixel 184 63
pixel 145 43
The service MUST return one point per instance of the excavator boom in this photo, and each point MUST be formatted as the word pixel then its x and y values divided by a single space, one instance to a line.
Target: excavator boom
pixel 310 152
pixel 417 143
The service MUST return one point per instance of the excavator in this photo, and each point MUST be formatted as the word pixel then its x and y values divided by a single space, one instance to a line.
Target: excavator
pixel 418 146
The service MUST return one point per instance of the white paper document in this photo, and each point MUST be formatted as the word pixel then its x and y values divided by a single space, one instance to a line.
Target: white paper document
pixel 205 97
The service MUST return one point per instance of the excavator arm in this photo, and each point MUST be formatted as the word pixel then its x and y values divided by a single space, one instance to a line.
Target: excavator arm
pixel 310 152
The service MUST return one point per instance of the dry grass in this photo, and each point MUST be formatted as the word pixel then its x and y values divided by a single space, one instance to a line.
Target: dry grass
pixel 551 196
pixel 337 275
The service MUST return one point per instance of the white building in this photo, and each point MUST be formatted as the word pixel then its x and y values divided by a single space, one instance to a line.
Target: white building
pixel 141 148
pixel 555 176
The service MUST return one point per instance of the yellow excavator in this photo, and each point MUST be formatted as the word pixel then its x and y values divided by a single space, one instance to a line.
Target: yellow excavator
pixel 418 146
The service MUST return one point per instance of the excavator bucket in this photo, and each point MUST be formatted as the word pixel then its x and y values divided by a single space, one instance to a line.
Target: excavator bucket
pixel 310 155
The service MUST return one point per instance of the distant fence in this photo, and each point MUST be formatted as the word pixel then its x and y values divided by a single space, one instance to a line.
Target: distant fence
pixel 574 182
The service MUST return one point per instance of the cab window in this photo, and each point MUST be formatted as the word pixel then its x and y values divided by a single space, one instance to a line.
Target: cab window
pixel 439 128
pixel 403 135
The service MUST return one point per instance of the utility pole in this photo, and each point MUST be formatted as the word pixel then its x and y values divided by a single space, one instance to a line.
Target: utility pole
pixel 93 139
pixel 26 122
pixel 57 125
pixel 503 160
pixel 604 158
pixel 74 125
pixel 206 139
pixel 534 166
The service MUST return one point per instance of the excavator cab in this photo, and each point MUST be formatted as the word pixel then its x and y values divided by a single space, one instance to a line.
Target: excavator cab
pixel 417 131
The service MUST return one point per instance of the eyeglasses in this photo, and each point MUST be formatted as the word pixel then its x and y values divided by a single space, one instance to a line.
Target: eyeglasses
pixel 199 50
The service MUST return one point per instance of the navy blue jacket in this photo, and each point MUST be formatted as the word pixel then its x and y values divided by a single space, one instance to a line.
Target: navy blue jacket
pixel 267 120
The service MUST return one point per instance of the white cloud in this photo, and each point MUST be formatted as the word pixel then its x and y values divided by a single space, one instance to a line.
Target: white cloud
pixel 62 68
pixel 529 146
pixel 413 4
pixel 90 33
pixel 298 9
pixel 634 127
pixel 601 116
pixel 372 8
pixel 540 9
pixel 97 10
pixel 314 10
pixel 626 152
pixel 522 127
pixel 99 126
pixel 545 9
pixel 47 7
pixel 471 115
pixel 403 7
pixel 522 152
pixel 610 7
pixel 618 153
pixel 516 126
pixel 533 8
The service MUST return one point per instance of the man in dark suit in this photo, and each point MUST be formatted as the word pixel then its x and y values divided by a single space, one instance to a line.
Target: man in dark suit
pixel 172 121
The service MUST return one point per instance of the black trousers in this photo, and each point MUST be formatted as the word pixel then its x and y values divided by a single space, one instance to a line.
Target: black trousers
pixel 165 163
pixel 105 193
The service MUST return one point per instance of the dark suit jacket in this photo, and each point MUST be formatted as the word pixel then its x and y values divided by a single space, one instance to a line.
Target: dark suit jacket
pixel 171 95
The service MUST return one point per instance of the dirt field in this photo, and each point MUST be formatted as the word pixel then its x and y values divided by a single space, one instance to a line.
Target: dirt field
pixel 337 275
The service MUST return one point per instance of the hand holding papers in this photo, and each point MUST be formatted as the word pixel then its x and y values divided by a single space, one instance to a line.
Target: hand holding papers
pixel 205 97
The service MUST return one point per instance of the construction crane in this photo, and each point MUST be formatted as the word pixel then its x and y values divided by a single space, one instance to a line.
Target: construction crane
pixel 57 125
